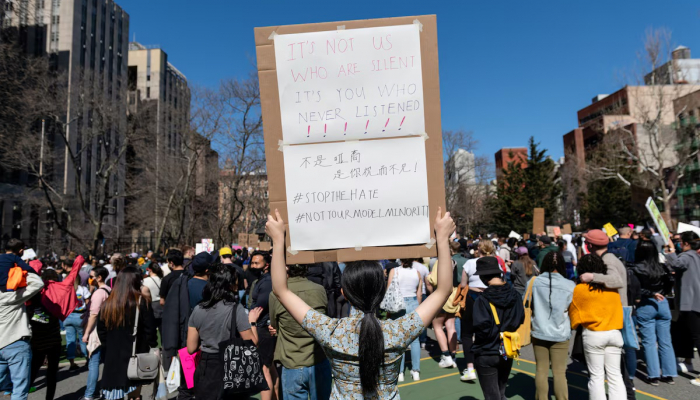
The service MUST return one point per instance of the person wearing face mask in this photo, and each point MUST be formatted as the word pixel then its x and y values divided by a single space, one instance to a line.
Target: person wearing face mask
pixel 96 281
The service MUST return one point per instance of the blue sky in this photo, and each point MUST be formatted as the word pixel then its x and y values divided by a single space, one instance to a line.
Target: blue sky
pixel 508 69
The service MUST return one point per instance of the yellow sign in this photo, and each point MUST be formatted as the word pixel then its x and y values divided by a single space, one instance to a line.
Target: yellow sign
pixel 610 230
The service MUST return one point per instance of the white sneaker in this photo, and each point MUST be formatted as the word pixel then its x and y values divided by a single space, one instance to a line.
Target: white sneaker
pixel 415 375
pixel 446 362
pixel 468 375
pixel 401 377
pixel 695 382
pixel 686 368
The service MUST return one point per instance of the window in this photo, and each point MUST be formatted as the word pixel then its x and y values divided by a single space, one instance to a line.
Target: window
pixel 148 93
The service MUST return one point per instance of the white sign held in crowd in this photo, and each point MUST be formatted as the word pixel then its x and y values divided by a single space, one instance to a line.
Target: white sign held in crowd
pixel 682 227
pixel 350 84
pixel 357 194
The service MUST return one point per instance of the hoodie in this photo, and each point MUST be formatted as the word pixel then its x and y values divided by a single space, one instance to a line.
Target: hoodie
pixel 510 311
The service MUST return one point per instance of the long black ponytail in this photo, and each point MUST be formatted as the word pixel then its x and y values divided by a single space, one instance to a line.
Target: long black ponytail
pixel 552 262
pixel 364 287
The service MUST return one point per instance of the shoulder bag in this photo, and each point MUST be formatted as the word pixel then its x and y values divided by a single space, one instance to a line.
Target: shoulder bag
pixel 393 300
pixel 143 366
pixel 526 328
pixel 242 367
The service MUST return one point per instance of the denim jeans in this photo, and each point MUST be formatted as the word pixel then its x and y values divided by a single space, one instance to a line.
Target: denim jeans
pixel 631 356
pixel 654 319
pixel 16 361
pixel 411 305
pixel 304 383
pixel 93 373
pixel 74 334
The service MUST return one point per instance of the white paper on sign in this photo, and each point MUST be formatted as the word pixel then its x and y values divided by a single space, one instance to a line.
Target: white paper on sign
pixel 350 84
pixel 199 247
pixel 682 227
pixel 28 254
pixel 365 193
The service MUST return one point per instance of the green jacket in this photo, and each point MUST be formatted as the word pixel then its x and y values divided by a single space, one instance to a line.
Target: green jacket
pixel 544 252
pixel 295 347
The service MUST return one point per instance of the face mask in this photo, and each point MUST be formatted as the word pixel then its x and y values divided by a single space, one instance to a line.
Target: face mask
pixel 256 272
pixel 678 247
pixel 91 281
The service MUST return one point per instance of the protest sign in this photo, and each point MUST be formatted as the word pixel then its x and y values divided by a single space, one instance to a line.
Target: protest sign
pixel 566 229
pixel 682 227
pixel 557 231
pixel 28 254
pixel 208 245
pixel 199 248
pixel 243 239
pixel 550 231
pixel 351 117
pixel 610 229
pixel 658 219
pixel 265 246
pixel 514 234
pixel 538 221
pixel 253 240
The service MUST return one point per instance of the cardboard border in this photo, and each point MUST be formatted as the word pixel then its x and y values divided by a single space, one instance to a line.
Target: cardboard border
pixel 272 127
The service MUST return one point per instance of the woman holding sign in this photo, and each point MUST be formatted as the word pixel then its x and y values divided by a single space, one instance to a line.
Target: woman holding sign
pixel 365 360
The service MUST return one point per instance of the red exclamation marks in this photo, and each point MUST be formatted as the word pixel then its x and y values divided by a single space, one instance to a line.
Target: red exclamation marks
pixel 345 132
pixel 324 130
pixel 387 123
pixel 366 125
pixel 402 119
pixel 308 131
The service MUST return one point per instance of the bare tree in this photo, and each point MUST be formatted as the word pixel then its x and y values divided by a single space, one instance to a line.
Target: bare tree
pixel 467 179
pixel 241 139
pixel 75 161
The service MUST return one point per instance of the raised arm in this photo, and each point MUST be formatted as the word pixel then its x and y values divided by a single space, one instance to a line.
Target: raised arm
pixel 296 307
pixel 444 226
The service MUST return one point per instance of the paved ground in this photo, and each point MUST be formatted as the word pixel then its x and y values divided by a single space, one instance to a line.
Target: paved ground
pixel 437 383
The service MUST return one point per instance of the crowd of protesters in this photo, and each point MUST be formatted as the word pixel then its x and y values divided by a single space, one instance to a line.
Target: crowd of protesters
pixel 320 331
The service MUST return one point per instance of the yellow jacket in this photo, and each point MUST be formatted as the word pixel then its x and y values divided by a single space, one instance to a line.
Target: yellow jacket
pixel 595 309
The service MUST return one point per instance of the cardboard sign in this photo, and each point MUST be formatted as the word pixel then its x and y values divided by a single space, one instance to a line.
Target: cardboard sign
pixel 550 231
pixel 265 246
pixel 610 229
pixel 658 219
pixel 253 240
pixel 566 230
pixel 375 81
pixel 243 239
pixel 538 221
pixel 557 231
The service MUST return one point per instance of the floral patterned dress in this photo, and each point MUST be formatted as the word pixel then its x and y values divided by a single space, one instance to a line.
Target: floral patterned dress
pixel 339 339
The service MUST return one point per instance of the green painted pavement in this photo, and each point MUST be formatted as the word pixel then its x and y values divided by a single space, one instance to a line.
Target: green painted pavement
pixel 437 383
